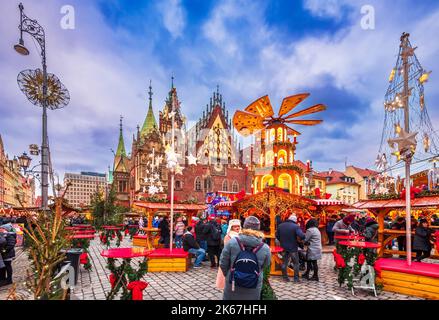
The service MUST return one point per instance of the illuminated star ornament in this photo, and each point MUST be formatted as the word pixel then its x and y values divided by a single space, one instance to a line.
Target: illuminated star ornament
pixel 381 162
pixel 191 159
pixel 405 141
pixel 178 169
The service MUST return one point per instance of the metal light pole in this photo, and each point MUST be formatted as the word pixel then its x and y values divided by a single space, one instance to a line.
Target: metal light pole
pixel 37 32
pixel 408 221
pixel 172 174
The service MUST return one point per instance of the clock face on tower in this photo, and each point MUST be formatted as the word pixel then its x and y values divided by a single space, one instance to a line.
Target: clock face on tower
pixel 218 167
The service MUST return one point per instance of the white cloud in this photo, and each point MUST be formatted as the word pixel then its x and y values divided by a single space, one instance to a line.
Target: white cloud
pixel 174 17
pixel 326 8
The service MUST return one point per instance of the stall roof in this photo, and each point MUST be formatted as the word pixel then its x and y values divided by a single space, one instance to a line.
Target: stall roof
pixel 167 206
pixel 397 203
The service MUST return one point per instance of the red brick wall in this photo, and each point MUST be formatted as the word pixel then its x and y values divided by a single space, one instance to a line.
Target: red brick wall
pixel 187 181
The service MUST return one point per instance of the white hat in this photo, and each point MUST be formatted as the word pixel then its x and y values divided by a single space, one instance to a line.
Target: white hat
pixel 233 222
pixel 293 217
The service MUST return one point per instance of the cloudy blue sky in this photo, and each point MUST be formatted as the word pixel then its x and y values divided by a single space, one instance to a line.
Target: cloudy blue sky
pixel 249 48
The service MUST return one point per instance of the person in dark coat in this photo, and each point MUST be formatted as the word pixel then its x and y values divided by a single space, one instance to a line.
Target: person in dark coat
pixel 192 246
pixel 329 225
pixel 165 234
pixel 399 224
pixel 201 229
pixel 371 231
pixel 7 251
pixel 422 240
pixel 287 234
pixel 213 233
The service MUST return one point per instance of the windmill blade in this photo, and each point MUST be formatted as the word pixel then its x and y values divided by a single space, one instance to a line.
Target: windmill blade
pixel 247 123
pixel 261 107
pixel 305 122
pixel 291 131
pixel 291 102
pixel 314 109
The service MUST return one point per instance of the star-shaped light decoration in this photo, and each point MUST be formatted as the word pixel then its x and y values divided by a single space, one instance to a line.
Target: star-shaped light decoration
pixel 178 169
pixel 171 159
pixel 171 114
pixel 406 141
pixel 153 190
pixel 160 189
pixel 191 159
pixel 381 162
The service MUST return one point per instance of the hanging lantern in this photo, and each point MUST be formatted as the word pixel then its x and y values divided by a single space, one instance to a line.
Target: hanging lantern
pixel 392 75
pixel 421 101
pixel 397 128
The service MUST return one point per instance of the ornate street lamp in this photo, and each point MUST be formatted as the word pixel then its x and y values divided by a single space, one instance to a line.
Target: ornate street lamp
pixel 24 160
pixel 41 89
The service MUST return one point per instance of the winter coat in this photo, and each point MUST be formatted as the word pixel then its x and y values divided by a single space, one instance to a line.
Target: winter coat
pixel 339 226
pixel 2 246
pixel 201 230
pixel 329 226
pixel 371 232
pixel 164 228
pixel 228 256
pixel 421 240
pixel 287 234
pixel 189 242
pixel 8 250
pixel 213 234
pixel 314 240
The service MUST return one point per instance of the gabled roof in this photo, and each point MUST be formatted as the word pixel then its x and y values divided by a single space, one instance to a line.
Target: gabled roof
pixel 365 172
pixel 335 177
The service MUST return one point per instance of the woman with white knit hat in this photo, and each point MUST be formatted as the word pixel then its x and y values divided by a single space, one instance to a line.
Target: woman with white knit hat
pixel 233 230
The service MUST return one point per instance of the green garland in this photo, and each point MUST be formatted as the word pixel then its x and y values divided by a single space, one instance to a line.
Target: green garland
pixel 84 244
pixel 267 292
pixel 107 235
pixel 347 273
pixel 288 167
pixel 124 275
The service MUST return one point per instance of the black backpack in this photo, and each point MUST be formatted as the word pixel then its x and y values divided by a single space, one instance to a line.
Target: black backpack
pixel 245 271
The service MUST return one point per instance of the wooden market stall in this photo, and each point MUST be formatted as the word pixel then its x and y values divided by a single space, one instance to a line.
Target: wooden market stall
pixel 324 208
pixel 420 278
pixel 162 259
pixel 272 203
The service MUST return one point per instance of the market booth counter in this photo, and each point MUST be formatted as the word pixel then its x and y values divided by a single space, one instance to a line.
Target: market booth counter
pixel 164 259
pixel 420 279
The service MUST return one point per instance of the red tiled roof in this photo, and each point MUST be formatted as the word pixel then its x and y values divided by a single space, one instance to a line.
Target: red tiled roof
pixel 336 177
pixel 365 172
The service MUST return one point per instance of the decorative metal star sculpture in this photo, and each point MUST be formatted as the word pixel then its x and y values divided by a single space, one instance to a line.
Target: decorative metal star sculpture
pixel 405 141
pixel 191 159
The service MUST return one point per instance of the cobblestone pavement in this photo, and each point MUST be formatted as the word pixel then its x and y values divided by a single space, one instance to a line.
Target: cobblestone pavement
pixel 196 284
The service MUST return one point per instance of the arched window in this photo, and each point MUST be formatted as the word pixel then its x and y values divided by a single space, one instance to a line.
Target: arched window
pixel 235 186
pixel 225 185
pixel 208 184
pixel 197 184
